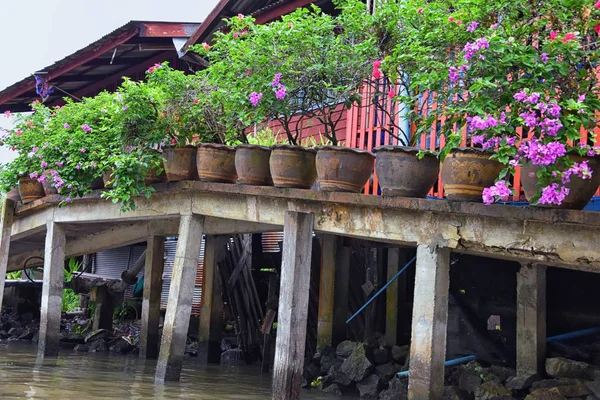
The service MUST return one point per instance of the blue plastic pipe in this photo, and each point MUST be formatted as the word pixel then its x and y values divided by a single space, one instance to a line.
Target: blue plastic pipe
pixel 382 289
pixel 557 338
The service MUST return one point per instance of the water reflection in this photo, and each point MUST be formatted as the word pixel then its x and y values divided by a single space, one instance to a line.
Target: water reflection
pixel 105 376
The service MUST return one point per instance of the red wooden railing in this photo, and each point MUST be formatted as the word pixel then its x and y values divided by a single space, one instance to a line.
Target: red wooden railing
pixel 366 129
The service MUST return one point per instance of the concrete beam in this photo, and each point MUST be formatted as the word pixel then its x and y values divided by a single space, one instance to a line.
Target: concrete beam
pixel 293 306
pixel 211 313
pixel 6 219
pixel 550 237
pixel 179 308
pixel 54 264
pixel 531 320
pixel 430 317
pixel 326 291
pixel 154 266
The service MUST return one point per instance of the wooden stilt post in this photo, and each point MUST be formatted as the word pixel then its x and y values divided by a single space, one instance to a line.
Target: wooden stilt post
pixel 430 317
pixel 340 303
pixel 391 298
pixel 531 321
pixel 105 308
pixel 6 218
pixel 211 314
pixel 179 309
pixel 326 291
pixel 155 262
pixel 54 264
pixel 293 305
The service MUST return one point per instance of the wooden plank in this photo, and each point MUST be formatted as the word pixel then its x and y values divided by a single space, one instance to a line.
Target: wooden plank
pixel 54 264
pixel 211 313
pixel 6 218
pixel 430 317
pixel 326 291
pixel 293 306
pixel 179 307
pixel 340 302
pixel 391 298
pixel 154 267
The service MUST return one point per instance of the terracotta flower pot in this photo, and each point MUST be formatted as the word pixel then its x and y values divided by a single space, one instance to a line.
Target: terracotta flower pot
pixel 466 171
pixel 180 163
pixel 343 169
pixel 47 183
pixel 252 165
pixel 580 190
pixel 13 194
pixel 30 190
pixel 293 166
pixel 402 173
pixel 216 163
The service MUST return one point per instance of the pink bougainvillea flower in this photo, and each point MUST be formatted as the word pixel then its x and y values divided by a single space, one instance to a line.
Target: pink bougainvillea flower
pixel 154 68
pixel 553 194
pixel 124 108
pixel 450 19
pixel 195 101
pixel 78 166
pixel 290 25
pixel 86 128
pixel 472 26
pixel 33 175
pixel 553 35
pixel 66 126
pixel 581 98
pixel 495 26
pixel 43 164
pixel 59 164
pixel 254 98
pixel 597 5
pixel 276 80
pixel 597 29
pixel 240 16
pixel 18 132
pixel 68 200
pixel 420 10
pixel 500 190
pixel 568 37
pixel 280 93
pixel 7 113
pixel 376 71
pixel 391 94
pixel 206 46
pixel 458 22
pixel 83 150
pixel 544 58
pixel 235 35
pixel 173 142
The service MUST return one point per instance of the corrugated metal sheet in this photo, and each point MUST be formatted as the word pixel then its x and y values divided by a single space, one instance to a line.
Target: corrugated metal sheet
pixel 170 248
pixel 270 242
pixel 111 263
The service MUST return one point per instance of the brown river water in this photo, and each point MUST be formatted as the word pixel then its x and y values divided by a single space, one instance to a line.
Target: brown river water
pixel 105 376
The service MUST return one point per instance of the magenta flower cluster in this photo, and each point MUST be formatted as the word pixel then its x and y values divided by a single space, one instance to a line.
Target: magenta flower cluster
pixel 539 114
pixel 86 128
pixel 280 91
pixel 472 26
pixel 553 194
pixel 540 153
pixel 255 98
pixel 499 190
pixel 471 49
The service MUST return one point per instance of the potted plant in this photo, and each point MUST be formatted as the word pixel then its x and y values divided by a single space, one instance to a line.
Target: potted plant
pixel 535 69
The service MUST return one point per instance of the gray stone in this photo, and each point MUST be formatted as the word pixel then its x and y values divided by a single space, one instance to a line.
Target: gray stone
pixel 545 394
pixel 592 397
pixel 3 335
pixel 98 346
pixel 369 387
pixel 568 387
pixel 399 354
pixel 397 390
pixel 336 376
pixel 521 382
pixel 345 348
pixel 327 361
pixel 97 335
pixel 82 348
pixel 27 335
pixel 559 367
pixel 594 387
pixel 15 332
pixel 357 366
pixel 387 371
pixel 492 391
pixel 469 381
pixel 381 356
pixel 333 389
pixel 502 372
pixel 452 393
pixel 121 346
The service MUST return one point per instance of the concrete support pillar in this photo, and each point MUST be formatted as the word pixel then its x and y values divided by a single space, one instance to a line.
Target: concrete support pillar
pixel 391 298
pixel 6 218
pixel 54 264
pixel 153 270
pixel 105 308
pixel 211 314
pixel 179 309
pixel 340 310
pixel 531 320
pixel 430 316
pixel 326 291
pixel 293 305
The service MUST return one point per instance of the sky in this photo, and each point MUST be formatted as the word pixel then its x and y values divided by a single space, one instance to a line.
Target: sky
pixel 36 33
